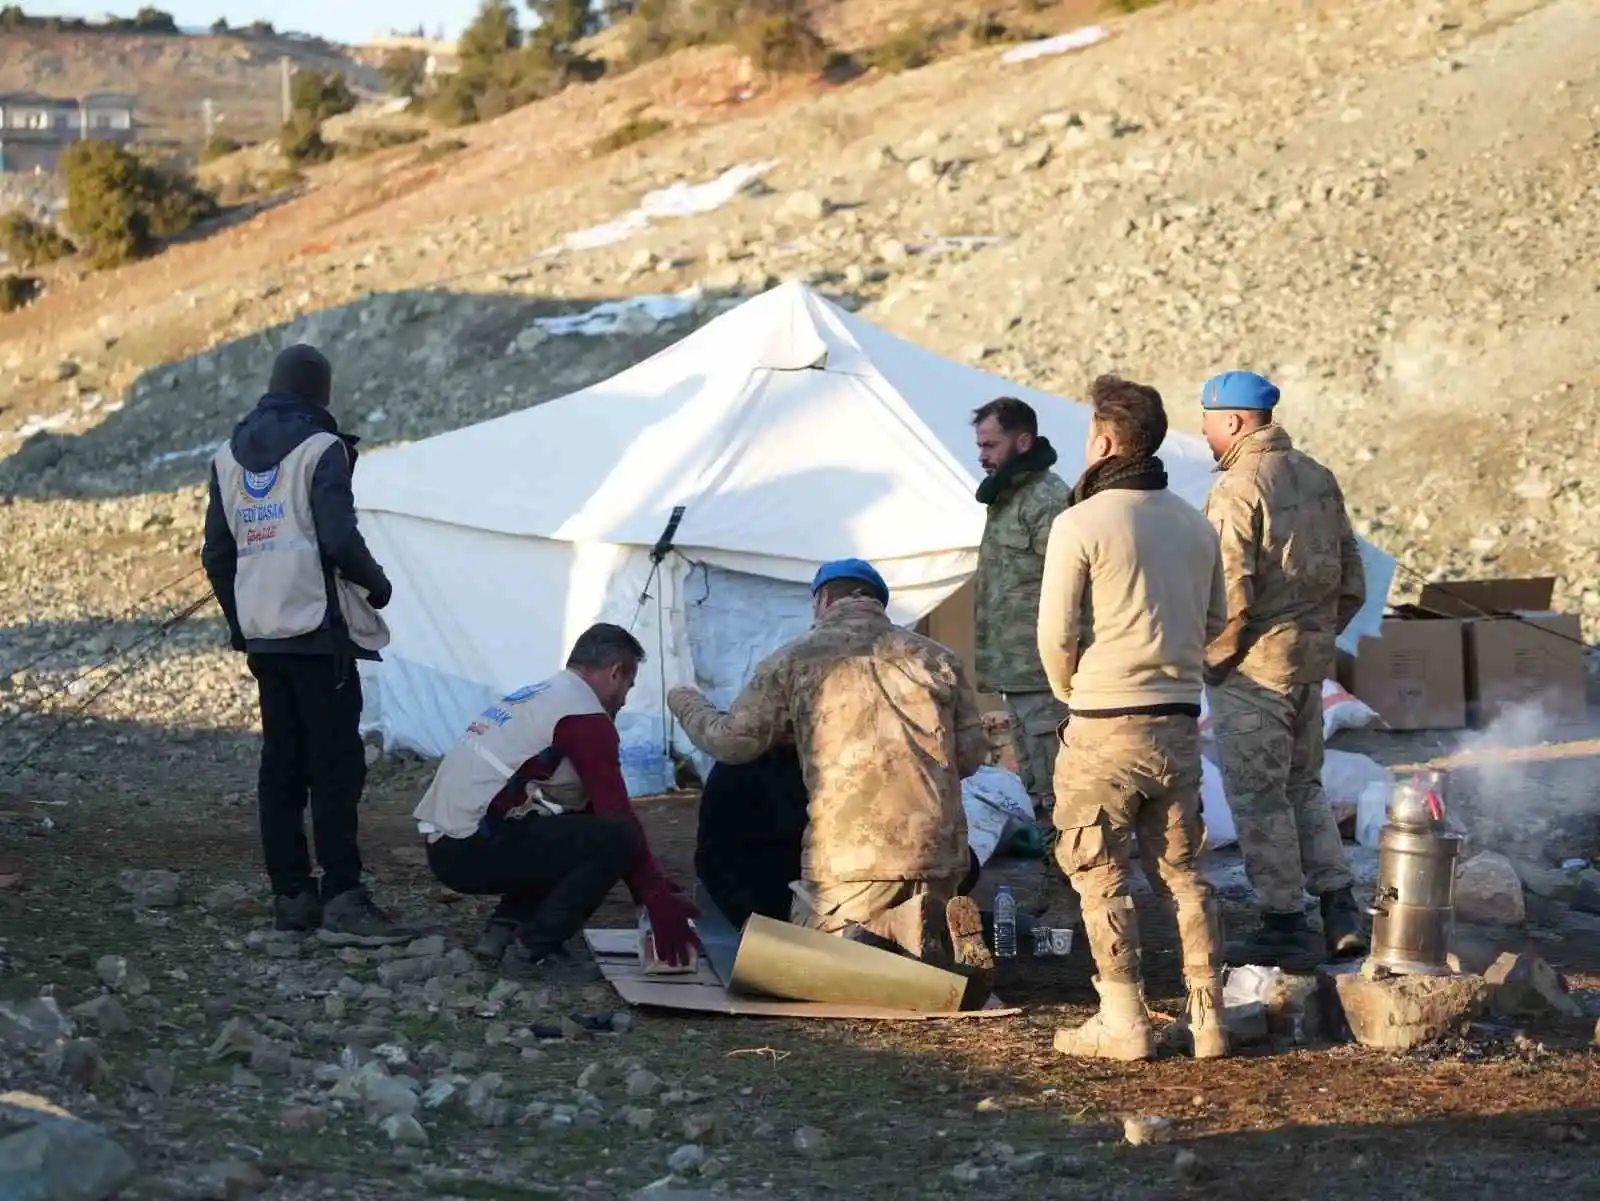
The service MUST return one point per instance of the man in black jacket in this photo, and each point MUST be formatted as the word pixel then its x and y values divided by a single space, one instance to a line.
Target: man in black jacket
pixel 281 541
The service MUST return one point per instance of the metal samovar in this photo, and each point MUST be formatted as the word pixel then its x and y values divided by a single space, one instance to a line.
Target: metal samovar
pixel 1413 914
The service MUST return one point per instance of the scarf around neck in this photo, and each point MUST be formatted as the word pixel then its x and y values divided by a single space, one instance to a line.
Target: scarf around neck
pixel 1120 472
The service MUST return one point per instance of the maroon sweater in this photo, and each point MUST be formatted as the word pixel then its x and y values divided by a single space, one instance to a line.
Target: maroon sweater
pixel 589 742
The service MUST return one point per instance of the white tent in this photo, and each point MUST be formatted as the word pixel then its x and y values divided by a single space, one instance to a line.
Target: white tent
pixel 789 431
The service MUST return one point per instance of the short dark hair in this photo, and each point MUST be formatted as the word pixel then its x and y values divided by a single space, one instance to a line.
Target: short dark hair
pixel 1132 414
pixel 837 590
pixel 1012 415
pixel 604 645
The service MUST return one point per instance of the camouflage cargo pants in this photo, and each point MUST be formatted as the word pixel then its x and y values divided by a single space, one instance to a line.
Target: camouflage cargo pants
pixel 1270 749
pixel 885 908
pixel 1034 719
pixel 1118 777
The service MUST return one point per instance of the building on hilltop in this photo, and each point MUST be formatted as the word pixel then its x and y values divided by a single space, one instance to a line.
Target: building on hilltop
pixel 35 129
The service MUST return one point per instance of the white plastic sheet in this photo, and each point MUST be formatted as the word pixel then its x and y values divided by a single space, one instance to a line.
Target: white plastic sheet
pixel 994 799
pixel 1044 47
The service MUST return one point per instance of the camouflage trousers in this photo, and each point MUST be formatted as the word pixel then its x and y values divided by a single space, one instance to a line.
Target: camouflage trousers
pixel 1118 777
pixel 889 909
pixel 1035 717
pixel 1270 749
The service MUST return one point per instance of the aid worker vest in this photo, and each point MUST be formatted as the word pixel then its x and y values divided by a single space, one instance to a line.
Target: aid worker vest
pixel 279 586
pixel 501 739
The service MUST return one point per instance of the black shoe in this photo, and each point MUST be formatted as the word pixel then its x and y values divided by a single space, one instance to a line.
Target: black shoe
pixel 556 967
pixel 353 919
pixel 1284 940
pixel 1341 925
pixel 300 913
pixel 497 936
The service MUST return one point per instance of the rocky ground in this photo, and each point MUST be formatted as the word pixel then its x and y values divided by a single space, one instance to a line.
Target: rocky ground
pixel 1388 205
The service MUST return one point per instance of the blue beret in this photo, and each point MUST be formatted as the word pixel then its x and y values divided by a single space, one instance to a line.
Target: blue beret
pixel 1239 390
pixel 851 569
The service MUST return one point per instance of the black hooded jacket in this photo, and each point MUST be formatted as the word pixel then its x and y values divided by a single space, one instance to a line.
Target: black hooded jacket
pixel 266 436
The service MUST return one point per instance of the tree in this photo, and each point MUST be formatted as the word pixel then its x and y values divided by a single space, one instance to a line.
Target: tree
pixel 320 94
pixel 563 22
pixel 154 20
pixel 220 27
pixel 493 32
pixel 30 243
pixel 120 204
pixel 405 71
pixel 12 17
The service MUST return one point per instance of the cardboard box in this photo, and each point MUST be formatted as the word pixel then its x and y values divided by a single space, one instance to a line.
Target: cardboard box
pixel 1413 674
pixel 1515 649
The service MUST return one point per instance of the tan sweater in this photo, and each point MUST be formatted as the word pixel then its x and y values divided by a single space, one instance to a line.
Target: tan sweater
pixel 1132 594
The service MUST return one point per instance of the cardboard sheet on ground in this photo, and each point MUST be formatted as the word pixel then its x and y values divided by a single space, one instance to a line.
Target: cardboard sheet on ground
pixel 617 953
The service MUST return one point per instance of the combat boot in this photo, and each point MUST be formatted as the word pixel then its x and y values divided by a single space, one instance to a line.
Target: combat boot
pixel 1341 925
pixel 300 913
pixel 1284 940
pixel 353 919
pixel 496 938
pixel 973 959
pixel 1200 1030
pixel 1120 1030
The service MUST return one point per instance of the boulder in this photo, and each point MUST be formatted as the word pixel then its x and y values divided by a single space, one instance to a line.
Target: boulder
pixel 46 1154
pixel 1489 891
pixel 1396 1013
pixel 1525 986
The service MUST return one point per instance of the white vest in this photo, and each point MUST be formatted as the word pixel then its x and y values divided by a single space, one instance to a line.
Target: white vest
pixel 278 583
pixel 500 740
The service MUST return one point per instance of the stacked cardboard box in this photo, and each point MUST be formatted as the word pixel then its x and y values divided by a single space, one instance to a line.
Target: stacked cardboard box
pixel 1468 651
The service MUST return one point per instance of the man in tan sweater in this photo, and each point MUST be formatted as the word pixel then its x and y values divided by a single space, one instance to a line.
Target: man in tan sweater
pixel 1132 593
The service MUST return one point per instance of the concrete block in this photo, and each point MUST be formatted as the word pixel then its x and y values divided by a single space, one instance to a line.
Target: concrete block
pixel 1525 986
pixel 1396 1013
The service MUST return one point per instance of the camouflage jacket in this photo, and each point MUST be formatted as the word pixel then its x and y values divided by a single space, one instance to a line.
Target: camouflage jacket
pixel 1290 561
pixel 887 726
pixel 1010 566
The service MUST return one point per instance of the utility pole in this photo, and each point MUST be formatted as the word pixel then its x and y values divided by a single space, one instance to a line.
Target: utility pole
pixel 288 106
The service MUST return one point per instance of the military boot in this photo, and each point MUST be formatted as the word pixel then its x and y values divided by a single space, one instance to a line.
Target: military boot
pixel 300 913
pixel 1200 1029
pixel 973 959
pixel 1341 925
pixel 353 919
pixel 1284 940
pixel 496 937
pixel 1120 1030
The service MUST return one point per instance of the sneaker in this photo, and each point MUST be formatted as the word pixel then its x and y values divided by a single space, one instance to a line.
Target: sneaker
pixel 300 913
pixel 496 939
pixel 353 919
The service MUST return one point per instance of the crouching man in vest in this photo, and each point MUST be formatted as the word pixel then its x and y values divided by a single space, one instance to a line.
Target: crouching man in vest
pixel 530 805
pixel 299 588
pixel 887 726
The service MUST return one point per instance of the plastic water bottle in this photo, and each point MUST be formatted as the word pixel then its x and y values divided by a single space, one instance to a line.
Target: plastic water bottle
pixel 1005 923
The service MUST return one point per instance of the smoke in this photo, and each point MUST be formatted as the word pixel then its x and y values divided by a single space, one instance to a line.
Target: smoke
pixel 1528 785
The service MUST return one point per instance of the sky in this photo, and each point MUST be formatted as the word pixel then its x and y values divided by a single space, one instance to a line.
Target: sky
pixel 339 20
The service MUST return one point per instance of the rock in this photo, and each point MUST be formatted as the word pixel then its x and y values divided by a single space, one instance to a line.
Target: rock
pixel 700 1128
pixel 1586 894
pixel 1549 882
pixel 686 1160
pixel 923 171
pixel 808 1140
pixel 404 971
pixel 384 1096
pixel 234 1180
pixel 1525 986
pixel 1396 1013
pixel 1489 891
pixel 1147 1129
pixel 404 1130
pixel 236 1040
pixel 639 1119
pixel 1032 158
pixel 82 1063
pixel 36 1023
pixel 230 898
pixel 592 1076
pixel 160 1080
pixel 158 889
pixel 55 1156
pixel 892 250
pixel 991 1105
pixel 805 206
pixel 104 1014
pixel 429 947
pixel 642 1083
pixel 304 1117
pixel 65 370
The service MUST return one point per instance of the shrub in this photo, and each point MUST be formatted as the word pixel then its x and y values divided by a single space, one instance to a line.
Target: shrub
pixel 320 95
pixel 301 140
pixel 17 292
pixel 635 129
pixel 912 47
pixel 218 146
pixel 29 243
pixel 988 30
pixel 283 179
pixel 444 148
pixel 120 204
pixel 405 71
pixel 370 140
pixel 782 43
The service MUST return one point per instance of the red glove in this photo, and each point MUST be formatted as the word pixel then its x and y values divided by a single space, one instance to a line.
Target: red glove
pixel 670 912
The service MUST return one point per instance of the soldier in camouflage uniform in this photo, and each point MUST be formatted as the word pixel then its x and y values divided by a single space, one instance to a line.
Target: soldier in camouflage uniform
pixel 887 726
pixel 1294 580
pixel 1023 497
pixel 1132 593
